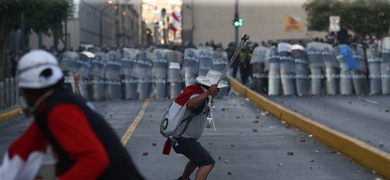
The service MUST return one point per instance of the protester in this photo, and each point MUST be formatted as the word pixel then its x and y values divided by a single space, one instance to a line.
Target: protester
pixel 185 137
pixel 230 51
pixel 84 145
pixel 245 66
pixel 14 61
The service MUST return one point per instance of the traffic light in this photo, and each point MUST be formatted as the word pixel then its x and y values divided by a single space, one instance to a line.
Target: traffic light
pixel 237 22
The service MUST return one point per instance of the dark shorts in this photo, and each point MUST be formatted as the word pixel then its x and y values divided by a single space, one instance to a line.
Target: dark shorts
pixel 194 151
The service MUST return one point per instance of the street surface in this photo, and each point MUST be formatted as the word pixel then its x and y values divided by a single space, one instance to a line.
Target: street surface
pixel 363 117
pixel 248 144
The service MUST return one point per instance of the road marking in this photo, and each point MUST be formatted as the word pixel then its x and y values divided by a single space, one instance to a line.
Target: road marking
pixel 129 132
pixel 371 101
pixel 10 114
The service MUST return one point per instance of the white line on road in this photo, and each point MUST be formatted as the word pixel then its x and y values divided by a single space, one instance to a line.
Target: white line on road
pixel 370 101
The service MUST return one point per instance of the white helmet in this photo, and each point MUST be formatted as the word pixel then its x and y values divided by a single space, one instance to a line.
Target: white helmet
pixel 38 69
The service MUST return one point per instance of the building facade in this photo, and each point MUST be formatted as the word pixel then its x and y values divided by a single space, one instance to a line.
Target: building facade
pixel 97 23
pixel 263 20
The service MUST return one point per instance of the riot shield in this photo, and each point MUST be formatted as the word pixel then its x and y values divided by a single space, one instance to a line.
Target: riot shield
pixel 347 64
pixel 385 78
pixel 332 74
pixel 205 60
pixel 386 50
pixel 84 83
pixel 112 75
pixel 68 65
pixel 316 65
pixel 220 61
pixel 374 68
pixel 287 68
pixel 190 66
pixel 114 55
pixel 274 72
pixel 359 77
pixel 97 73
pixel 301 70
pixel 174 77
pixel 128 80
pixel 385 65
pixel 143 74
pixel 258 74
pixel 159 73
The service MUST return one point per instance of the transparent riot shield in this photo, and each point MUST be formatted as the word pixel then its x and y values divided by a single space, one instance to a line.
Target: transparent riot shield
pixel 374 69
pixel 83 67
pixel 301 69
pixel 174 78
pixel 143 74
pixel 287 69
pixel 220 61
pixel 128 80
pixel 385 66
pixel 347 64
pixel 205 60
pixel 112 75
pixel 97 73
pixel 316 66
pixel 258 73
pixel 114 55
pixel 82 76
pixel 274 72
pixel 385 77
pixel 332 71
pixel 68 65
pixel 190 66
pixel 359 75
pixel 159 73
pixel 386 50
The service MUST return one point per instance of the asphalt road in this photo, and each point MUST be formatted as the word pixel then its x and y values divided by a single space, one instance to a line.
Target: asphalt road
pixel 248 144
pixel 363 117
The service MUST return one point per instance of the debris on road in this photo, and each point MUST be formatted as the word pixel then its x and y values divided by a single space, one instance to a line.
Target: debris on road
pixel 290 153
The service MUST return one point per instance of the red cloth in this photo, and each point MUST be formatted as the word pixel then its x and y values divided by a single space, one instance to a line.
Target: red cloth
pixel 167 147
pixel 187 93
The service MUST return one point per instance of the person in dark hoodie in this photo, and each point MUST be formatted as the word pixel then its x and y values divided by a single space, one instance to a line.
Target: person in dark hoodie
pixel 83 143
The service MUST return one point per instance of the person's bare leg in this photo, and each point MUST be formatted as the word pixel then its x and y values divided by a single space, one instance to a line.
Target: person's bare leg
pixel 190 167
pixel 203 172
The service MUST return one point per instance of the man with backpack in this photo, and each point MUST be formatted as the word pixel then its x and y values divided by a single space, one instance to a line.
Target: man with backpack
pixel 191 108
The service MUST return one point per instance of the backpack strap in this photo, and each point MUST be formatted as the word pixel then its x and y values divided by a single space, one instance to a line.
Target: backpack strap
pixel 194 113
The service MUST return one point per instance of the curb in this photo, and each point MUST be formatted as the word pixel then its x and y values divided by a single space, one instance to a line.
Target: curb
pixel 366 155
pixel 9 114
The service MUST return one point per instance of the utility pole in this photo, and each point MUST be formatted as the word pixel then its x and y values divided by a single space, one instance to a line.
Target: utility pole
pixel 236 16
pixel 163 13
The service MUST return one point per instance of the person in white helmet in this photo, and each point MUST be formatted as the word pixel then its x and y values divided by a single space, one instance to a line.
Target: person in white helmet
pixel 84 145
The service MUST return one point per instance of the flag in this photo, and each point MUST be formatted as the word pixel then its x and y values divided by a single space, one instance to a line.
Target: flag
pixel 25 155
pixel 292 23
pixel 175 21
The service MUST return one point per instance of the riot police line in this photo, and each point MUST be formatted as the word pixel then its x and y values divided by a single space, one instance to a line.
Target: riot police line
pixel 137 74
pixel 320 69
pixel 287 69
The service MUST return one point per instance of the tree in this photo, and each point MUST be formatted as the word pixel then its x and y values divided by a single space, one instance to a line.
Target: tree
pixel 362 17
pixel 40 16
